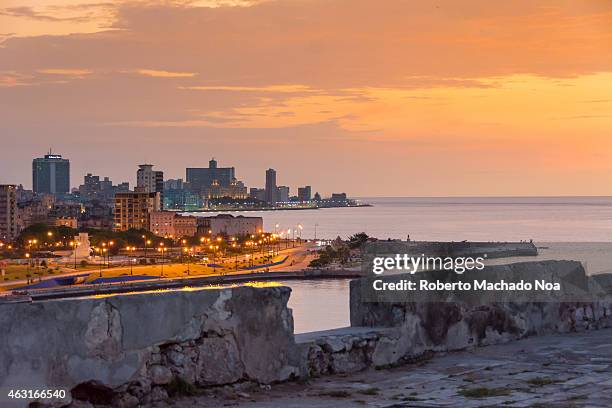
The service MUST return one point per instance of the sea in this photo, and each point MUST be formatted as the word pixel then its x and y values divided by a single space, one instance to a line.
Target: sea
pixel 578 228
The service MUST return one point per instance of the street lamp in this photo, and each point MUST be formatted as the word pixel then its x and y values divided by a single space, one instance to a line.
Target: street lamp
pixel 103 255
pixel 28 267
pixel 163 251
pixel 131 249
pixel 74 246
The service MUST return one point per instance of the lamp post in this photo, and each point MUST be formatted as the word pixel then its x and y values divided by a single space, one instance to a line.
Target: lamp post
pixel 187 251
pixel 131 249
pixel 147 242
pixel 103 257
pixel 110 244
pixel 27 267
pixel 235 246
pixel 163 251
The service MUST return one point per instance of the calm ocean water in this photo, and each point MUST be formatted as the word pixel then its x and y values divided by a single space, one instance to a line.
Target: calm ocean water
pixel 573 219
pixel 577 228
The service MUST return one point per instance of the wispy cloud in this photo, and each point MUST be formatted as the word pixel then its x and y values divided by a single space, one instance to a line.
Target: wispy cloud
pixel 271 88
pixel 165 74
pixel 66 72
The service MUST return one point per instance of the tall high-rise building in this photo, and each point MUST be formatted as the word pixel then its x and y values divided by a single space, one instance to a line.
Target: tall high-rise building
pixel 132 209
pixel 304 193
pixel 51 175
pixel 8 212
pixel 271 190
pixel 150 181
pixel 200 179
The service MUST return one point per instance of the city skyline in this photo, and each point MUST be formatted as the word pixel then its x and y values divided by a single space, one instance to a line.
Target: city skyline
pixel 403 99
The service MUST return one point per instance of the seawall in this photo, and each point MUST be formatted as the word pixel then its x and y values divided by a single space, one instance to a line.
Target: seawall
pixel 127 350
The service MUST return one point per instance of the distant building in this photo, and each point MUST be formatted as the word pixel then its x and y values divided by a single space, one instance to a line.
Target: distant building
pixel 51 175
pixel 201 179
pixel 304 193
pixel 181 199
pixel 36 211
pixel 236 190
pixel 283 194
pixel 149 180
pixel 174 184
pixel 8 212
pixel 338 197
pixel 66 209
pixel 317 196
pixel 227 224
pixel 93 188
pixel 171 224
pixel 257 194
pixel 67 222
pixel 271 190
pixel 132 209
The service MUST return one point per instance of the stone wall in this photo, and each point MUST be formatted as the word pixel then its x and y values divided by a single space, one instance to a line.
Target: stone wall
pixel 122 350
pixel 126 350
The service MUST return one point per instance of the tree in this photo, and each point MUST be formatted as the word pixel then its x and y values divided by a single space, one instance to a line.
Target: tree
pixel 357 240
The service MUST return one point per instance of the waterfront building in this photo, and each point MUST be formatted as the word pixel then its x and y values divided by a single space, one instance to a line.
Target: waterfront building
pixel 51 175
pixel 338 197
pixel 271 189
pixel 132 209
pixel 185 226
pixel 8 212
pixel 201 179
pixel 171 224
pixel 149 180
pixel 236 190
pixel 182 199
pixel 283 194
pixel 304 193
pixel 257 194
pixel 229 225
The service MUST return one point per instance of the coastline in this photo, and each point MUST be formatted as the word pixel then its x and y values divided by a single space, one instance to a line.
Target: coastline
pixel 205 210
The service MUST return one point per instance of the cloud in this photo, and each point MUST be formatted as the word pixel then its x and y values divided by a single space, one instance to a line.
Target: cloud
pixel 66 72
pixel 165 74
pixel 12 79
pixel 425 77
pixel 262 89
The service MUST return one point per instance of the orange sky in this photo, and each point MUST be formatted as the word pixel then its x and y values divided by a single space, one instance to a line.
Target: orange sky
pixel 389 98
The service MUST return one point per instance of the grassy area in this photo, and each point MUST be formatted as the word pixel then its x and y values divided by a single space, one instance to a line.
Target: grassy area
pixel 179 270
pixel 19 272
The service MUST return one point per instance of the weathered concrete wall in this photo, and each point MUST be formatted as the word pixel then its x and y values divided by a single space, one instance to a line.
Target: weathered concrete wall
pixel 126 350
pixel 123 349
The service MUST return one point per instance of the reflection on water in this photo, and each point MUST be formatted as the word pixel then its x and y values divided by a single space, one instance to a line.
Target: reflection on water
pixel 319 304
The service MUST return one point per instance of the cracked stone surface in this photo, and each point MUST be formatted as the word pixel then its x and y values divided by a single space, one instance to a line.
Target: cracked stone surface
pixel 566 370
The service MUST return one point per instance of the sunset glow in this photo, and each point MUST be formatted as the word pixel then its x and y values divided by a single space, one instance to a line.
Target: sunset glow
pixel 382 98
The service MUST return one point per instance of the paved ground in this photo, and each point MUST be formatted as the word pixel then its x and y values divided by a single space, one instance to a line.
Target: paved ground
pixel 573 370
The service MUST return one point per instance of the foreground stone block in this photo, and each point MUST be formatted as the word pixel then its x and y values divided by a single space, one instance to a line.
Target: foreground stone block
pixel 120 349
